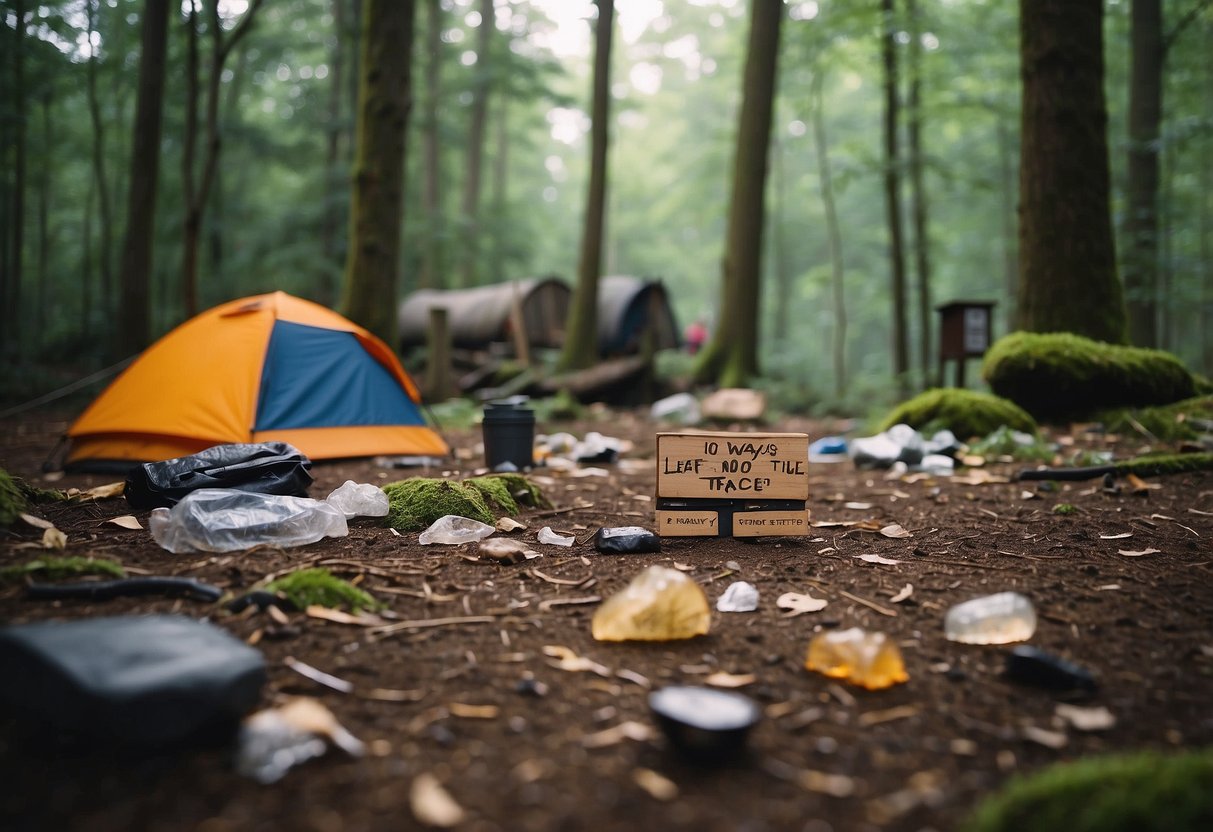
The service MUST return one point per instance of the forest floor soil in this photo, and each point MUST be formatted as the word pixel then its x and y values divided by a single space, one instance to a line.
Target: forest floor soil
pixel 1123 586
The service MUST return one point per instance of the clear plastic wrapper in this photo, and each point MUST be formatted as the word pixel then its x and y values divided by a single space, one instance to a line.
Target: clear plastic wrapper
pixel 223 520
pixel 359 500
pixel 453 530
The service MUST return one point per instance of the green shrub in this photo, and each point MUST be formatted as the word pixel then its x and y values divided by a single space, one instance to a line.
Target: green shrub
pixel 1058 376
pixel 1145 792
pixel 964 412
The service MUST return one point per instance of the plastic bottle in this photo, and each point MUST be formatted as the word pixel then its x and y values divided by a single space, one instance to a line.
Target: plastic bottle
pixel 992 619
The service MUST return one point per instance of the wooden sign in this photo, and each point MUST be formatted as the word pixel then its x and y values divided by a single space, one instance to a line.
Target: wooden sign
pixel 732 484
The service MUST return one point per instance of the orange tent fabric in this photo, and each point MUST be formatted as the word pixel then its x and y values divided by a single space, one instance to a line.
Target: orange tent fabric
pixel 262 368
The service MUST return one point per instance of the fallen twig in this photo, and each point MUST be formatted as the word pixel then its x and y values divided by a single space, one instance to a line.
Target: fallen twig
pixel 423 623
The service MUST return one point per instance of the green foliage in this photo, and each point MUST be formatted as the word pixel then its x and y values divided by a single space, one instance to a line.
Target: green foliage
pixel 54 569
pixel 415 503
pixel 1170 423
pixel 458 414
pixel 1064 509
pixel 12 499
pixel 319 587
pixel 1004 442
pixel 964 412
pixel 1145 792
pixel 562 407
pixel 1056 376
pixel 506 492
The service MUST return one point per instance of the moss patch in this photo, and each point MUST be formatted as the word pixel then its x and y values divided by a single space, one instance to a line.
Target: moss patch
pixel 415 503
pixel 1064 508
pixel 55 569
pixel 1154 465
pixel 1057 376
pixel 319 587
pixel 508 492
pixel 964 412
pixel 1170 423
pixel 1145 792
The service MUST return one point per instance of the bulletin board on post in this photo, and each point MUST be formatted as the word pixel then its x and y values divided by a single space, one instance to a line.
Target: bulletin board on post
pixel 732 484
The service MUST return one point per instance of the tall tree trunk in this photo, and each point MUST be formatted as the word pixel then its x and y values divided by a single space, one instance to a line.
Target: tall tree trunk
pixel 892 195
pixel 134 313
pixel 482 81
pixel 918 198
pixel 783 276
pixel 377 207
pixel 100 176
pixel 44 232
pixel 1141 214
pixel 1007 211
pixel 833 232
pixel 334 186
pixel 501 177
pixel 1066 250
pixel 1206 228
pixel 83 322
pixel 581 334
pixel 16 270
pixel 731 357
pixel 431 256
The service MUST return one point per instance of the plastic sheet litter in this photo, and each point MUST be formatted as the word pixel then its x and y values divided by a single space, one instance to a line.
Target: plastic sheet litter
pixel 453 530
pixel 1001 618
pixel 546 535
pixel 223 520
pixel 274 741
pixel 262 468
pixel 740 596
pixel 359 500
pixel 901 443
pixel 626 540
pixel 1031 666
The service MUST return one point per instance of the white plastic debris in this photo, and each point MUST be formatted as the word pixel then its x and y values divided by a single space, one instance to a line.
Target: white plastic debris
pixel 226 520
pixel 275 740
pixel 681 407
pixel 454 530
pixel 359 500
pixel 546 535
pixel 741 596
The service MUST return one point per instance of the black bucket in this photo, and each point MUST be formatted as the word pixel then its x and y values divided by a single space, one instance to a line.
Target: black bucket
pixel 509 433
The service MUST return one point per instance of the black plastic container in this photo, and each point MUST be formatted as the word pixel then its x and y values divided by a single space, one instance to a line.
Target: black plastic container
pixel 509 433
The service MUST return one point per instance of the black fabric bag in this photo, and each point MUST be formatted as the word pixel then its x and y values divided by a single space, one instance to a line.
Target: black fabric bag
pixel 136 680
pixel 263 468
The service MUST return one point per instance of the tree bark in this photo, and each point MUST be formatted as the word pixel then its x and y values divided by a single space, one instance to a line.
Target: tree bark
pixel 134 313
pixel 377 208
pixel 1141 214
pixel 581 335
pixel 918 198
pixel 731 356
pixel 1010 238
pixel 100 176
pixel 833 233
pixel 482 81
pixel 334 185
pixel 16 269
pixel 1067 259
pixel 892 194
pixel 782 270
pixel 431 255
pixel 44 207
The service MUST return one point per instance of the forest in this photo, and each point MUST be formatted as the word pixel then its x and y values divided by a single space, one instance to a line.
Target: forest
pixel 891 163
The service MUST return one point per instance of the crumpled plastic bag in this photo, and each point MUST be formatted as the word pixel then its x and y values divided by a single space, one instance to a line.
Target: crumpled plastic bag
pixel 359 500
pixel 900 443
pixel 224 520
pixel 263 468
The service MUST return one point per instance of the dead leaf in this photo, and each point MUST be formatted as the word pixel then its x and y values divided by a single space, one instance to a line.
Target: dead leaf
pixel 1130 554
pixel 730 680
pixel 37 522
pixel 857 506
pixel 127 521
pixel 1139 486
pixel 466 711
pixel 509 524
pixel 895 530
pixel 1049 739
pixel 656 785
pixel 1086 719
pixel 872 558
pixel 432 804
pixel 906 592
pixel 798 604
pixel 1120 536
pixel 52 538
pixel 629 730
pixel 102 492
pixel 570 661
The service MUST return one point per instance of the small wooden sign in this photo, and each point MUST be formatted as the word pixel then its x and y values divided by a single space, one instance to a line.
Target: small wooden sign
pixel 732 484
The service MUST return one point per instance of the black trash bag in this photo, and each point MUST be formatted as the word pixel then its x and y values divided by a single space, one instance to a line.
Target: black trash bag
pixel 626 540
pixel 135 680
pixel 263 468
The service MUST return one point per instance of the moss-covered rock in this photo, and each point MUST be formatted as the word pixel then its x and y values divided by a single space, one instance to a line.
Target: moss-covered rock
pixel 415 503
pixel 1170 423
pixel 508 492
pixel 319 587
pixel 55 569
pixel 1145 792
pixel 1057 376
pixel 964 412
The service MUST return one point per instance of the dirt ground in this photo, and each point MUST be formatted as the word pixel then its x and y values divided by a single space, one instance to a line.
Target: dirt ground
pixel 519 743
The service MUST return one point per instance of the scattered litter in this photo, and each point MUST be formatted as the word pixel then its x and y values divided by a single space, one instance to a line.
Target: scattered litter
pixel 359 500
pixel 905 592
pixel 1131 554
pixel 626 540
pixel 901 443
pixel 1029 665
pixel 704 724
pixel 546 535
pixel 867 659
pixel 630 730
pixel 509 524
pixel 798 604
pixel 54 539
pixel 660 604
pixel 828 449
pixel 681 407
pixel 432 804
pixel 1086 719
pixel 453 530
pixel 1001 618
pixel 739 597
pixel 270 468
pixel 276 740
pixel 720 679
pixel 408 461
pixel 505 550
pixel 223 520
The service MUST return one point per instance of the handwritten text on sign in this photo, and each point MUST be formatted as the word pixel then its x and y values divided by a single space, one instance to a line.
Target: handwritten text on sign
pixel 733 466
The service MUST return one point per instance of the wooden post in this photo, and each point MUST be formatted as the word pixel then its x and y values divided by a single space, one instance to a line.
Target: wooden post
pixel 439 375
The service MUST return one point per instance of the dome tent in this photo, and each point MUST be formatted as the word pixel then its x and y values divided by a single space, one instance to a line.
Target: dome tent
pixel 264 368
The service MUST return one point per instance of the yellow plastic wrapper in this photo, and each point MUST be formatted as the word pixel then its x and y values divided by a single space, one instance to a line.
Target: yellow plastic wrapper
pixel 869 660
pixel 660 604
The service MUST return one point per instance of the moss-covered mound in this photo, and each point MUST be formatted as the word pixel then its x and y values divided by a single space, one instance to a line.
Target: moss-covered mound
pixel 55 569
pixel 1145 792
pixel 1057 376
pixel 506 493
pixel 319 587
pixel 417 502
pixel 964 412
pixel 1170 423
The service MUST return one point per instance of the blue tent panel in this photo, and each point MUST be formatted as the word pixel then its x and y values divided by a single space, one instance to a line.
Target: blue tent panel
pixel 318 378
